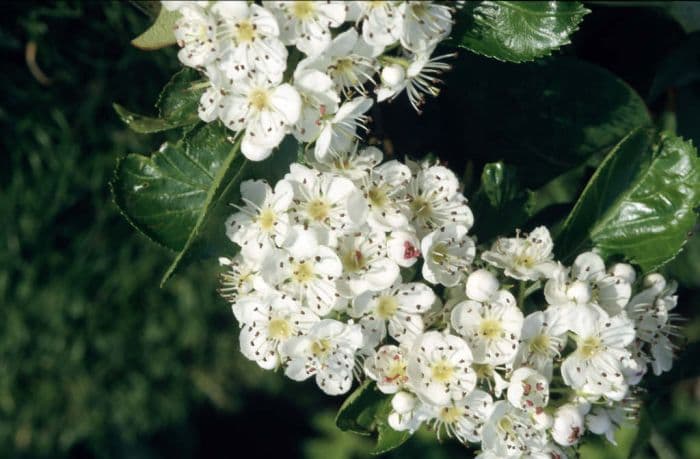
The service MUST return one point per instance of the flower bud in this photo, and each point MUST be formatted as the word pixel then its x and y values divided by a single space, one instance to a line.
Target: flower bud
pixel 393 75
pixel 625 271
pixel 567 427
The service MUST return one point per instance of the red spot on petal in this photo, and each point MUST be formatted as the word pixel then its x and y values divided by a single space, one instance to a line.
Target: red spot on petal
pixel 410 251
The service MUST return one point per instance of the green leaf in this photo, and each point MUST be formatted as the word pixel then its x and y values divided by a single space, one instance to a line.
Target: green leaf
pixel 141 123
pixel 389 439
pixel 685 268
pixel 177 105
pixel 639 203
pixel 365 411
pixel 179 100
pixel 168 195
pixel 517 31
pixel 160 34
pixel 538 117
pixel 500 203
pixel 357 413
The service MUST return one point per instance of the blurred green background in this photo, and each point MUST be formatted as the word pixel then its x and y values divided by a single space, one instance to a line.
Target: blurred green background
pixel 97 361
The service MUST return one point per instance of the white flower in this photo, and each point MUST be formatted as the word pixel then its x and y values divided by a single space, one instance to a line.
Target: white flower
pixel 586 286
pixel 385 190
pixel 491 329
pixel 434 200
pixel 266 322
pixel 265 110
pixel 424 24
pixel 482 286
pixel 655 324
pixel 263 221
pixel 249 44
pixel 511 432
pixel 196 33
pixel 306 24
pixel 329 204
pixel 462 419
pixel 366 266
pixel 214 101
pixel 307 273
pixel 328 352
pixel 338 131
pixel 604 420
pixel 624 271
pixel 597 363
pixel 404 414
pixel 403 247
pixel 543 338
pixel 382 22
pixel 447 254
pixel 399 307
pixel 387 367
pixel 353 164
pixel 528 258
pixel 348 61
pixel 177 5
pixel 439 368
pixel 528 390
pixel 242 277
pixel 419 77
pixel 568 426
pixel 318 99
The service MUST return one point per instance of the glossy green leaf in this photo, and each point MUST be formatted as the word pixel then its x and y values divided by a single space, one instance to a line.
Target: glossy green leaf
pixel 366 411
pixel 179 100
pixel 517 31
pixel 544 118
pixel 167 196
pixel 639 203
pixel 500 203
pixel 177 105
pixel 141 123
pixel 685 268
pixel 357 412
pixel 160 34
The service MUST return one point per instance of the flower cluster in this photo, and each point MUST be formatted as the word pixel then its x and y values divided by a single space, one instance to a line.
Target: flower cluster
pixel 365 269
pixel 307 67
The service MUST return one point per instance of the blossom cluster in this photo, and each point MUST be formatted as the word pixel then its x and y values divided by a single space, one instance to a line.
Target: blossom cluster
pixel 308 68
pixel 363 269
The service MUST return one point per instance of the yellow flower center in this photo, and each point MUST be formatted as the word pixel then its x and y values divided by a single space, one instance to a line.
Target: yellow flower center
pixel 540 344
pixel 353 261
pixel 397 371
pixel 490 328
pixel 387 306
pixel 303 9
pixel 259 99
pixel 267 219
pixel 245 32
pixel 421 207
pixel 377 196
pixel 450 414
pixel 318 209
pixel 442 371
pixel 439 253
pixel 320 348
pixel 590 347
pixel 279 329
pixel 303 272
pixel 505 424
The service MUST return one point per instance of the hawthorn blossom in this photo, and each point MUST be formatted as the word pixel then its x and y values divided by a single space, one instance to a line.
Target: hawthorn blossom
pixel 267 322
pixel 439 368
pixel 523 258
pixel 398 308
pixel 511 432
pixel 338 131
pixel 326 352
pixel 306 24
pixel 263 221
pixel 385 190
pixel 491 329
pixel 462 419
pixel 448 253
pixel 195 33
pixel 601 342
pixel 366 266
pixel 424 24
pixel 265 110
pixel 543 338
pixel 387 366
pixel 568 426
